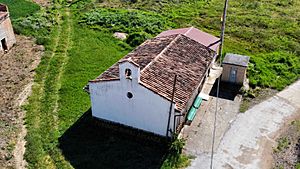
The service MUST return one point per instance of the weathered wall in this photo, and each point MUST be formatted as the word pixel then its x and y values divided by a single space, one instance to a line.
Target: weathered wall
pixel 6 31
pixel 241 73
pixel 145 110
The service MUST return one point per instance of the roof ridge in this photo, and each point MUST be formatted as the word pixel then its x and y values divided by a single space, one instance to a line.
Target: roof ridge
pixel 160 54
pixel 188 31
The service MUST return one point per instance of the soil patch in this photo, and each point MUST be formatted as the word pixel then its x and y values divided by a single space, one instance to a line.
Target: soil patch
pixel 43 3
pixel 260 96
pixel 286 153
pixel 16 73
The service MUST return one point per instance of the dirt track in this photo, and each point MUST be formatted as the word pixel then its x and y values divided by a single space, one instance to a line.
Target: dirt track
pixel 16 72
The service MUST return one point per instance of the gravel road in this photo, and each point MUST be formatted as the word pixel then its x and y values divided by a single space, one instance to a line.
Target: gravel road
pixel 248 142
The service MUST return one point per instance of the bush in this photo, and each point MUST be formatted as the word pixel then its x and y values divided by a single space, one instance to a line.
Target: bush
pixel 38 25
pixel 42 40
pixel 283 143
pixel 128 21
pixel 137 38
pixel 175 158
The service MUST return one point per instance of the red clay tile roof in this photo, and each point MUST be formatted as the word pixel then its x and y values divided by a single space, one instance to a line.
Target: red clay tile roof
pixel 204 38
pixel 160 59
pixel 142 55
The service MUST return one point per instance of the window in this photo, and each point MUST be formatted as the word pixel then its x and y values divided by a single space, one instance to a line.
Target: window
pixel 128 73
pixel 129 95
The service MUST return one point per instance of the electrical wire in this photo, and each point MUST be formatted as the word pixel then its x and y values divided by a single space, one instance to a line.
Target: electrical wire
pixel 218 85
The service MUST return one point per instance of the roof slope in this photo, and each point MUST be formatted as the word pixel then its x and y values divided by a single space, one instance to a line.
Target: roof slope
pixel 160 59
pixel 236 59
pixel 204 38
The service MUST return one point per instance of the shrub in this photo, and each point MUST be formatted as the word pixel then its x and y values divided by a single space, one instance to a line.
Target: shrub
pixel 283 143
pixel 137 38
pixel 38 25
pixel 42 40
pixel 128 21
pixel 175 158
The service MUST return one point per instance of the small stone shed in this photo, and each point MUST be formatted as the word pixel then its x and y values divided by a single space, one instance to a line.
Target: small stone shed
pixel 235 68
pixel 7 37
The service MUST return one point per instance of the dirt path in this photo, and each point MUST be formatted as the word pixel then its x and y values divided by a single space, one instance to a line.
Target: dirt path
pixel 20 145
pixel 43 116
pixel 16 74
pixel 249 141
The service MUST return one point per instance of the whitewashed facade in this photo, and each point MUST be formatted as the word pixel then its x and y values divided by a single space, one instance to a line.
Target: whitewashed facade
pixel 145 109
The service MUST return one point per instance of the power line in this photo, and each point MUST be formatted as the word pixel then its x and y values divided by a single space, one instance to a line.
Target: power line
pixel 218 85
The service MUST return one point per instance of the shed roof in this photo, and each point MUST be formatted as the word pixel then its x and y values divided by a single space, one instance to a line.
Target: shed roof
pixel 3 12
pixel 163 57
pixel 235 59
pixel 204 38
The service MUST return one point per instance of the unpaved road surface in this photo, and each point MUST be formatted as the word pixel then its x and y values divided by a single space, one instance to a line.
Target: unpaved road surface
pixel 249 142
pixel 16 74
pixel 199 133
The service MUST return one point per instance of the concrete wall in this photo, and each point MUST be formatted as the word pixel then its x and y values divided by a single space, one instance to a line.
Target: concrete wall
pixel 6 31
pixel 146 110
pixel 241 73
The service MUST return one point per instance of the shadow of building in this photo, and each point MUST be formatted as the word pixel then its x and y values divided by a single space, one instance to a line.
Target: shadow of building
pixel 87 144
pixel 227 90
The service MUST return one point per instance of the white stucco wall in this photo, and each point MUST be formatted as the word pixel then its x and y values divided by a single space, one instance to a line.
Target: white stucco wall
pixel 145 110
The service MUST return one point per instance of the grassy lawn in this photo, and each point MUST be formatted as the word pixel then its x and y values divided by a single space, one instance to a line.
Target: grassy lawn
pixel 20 8
pixel 92 52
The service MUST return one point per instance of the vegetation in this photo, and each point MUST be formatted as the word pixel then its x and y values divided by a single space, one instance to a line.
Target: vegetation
pixel 297 166
pixel 88 42
pixel 20 8
pixel 175 158
pixel 266 30
pixel 58 100
pixel 38 25
pixel 274 69
pixel 140 25
pixel 128 21
pixel 283 143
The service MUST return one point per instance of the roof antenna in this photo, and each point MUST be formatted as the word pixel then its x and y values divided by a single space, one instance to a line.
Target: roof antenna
pixel 218 87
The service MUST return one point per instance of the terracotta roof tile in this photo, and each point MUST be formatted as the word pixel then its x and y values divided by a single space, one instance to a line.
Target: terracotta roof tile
pixel 186 58
pixel 161 58
pixel 142 55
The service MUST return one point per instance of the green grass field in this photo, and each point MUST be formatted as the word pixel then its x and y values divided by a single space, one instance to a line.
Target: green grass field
pixel 59 136
pixel 268 31
pixel 20 8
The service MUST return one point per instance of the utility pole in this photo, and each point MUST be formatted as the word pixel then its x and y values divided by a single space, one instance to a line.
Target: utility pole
pixel 218 87
pixel 223 28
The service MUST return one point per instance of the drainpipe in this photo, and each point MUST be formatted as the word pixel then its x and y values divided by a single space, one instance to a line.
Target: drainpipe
pixel 178 115
pixel 171 105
